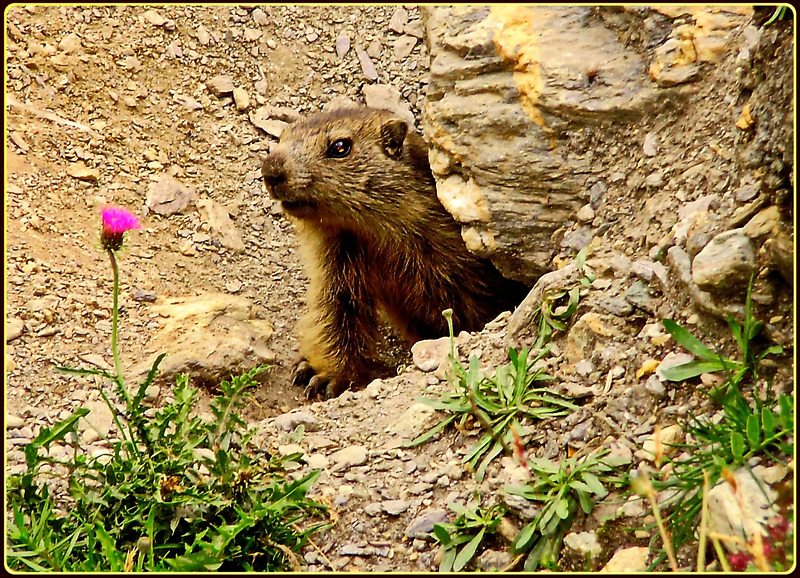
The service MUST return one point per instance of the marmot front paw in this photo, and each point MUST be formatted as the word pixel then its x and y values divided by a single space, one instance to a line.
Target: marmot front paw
pixel 316 386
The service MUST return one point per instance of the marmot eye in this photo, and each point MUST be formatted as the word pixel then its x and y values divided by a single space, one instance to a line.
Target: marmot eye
pixel 340 148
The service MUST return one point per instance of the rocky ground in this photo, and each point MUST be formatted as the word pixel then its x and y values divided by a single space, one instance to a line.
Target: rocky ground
pixel 125 105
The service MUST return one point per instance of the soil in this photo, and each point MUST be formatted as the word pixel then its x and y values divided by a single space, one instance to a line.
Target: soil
pixel 114 97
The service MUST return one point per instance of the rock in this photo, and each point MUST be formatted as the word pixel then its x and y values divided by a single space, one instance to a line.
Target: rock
pixel 374 49
pixel 399 19
pixel 650 146
pixel 208 337
pixel 241 99
pixel 655 387
pixel 98 418
pixel 763 223
pixel 421 527
pixel 262 118
pixel 154 18
pixel 342 45
pixel 289 449
pixel 638 295
pixel 349 456
pixel 288 422
pixel 70 43
pixel 585 214
pixel 727 261
pixel 743 510
pixel 340 101
pixel 14 328
pixel 615 305
pixel 188 102
pixel 168 196
pixel 584 543
pixel 403 46
pixel 501 79
pixel 416 420
pixel 662 443
pixel 430 353
pixel 203 37
pixel 672 360
pixel 747 192
pixel 367 68
pixel 632 559
pixel 259 17
pixel 81 172
pixel 317 461
pixel 388 98
pixel 395 507
pixel 14 422
pixel 494 560
pixel 220 223
pixel 220 85
pixel 654 180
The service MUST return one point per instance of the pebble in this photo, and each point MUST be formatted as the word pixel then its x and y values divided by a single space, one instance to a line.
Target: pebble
pixel 203 37
pixel 14 422
pixel 288 422
pixel 586 214
pixel 403 46
pixel 429 353
pixel 399 20
pixel 348 457
pixel 14 328
pixel 70 43
pixel 583 542
pixel 395 507
pixel 632 559
pixel 422 526
pixel 367 67
pixel 220 85
pixel 727 261
pixel 241 99
pixel 154 18
pixel 650 147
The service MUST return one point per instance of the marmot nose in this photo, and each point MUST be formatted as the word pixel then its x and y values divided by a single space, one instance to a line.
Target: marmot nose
pixel 273 171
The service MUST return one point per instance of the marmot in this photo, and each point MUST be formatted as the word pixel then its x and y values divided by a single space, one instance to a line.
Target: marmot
pixel 358 188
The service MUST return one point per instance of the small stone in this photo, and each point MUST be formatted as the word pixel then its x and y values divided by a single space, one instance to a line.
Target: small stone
pixel 143 296
pixel 14 422
pixel 727 261
pixel 374 49
pixel 586 214
pixel 349 456
pixel 388 98
pixel 632 559
pixel 154 18
pixel 233 286
pixel 259 17
pixel 414 28
pixel 272 44
pixel 366 64
pixel 584 543
pixel 373 509
pixel 638 295
pixel 655 387
pixel 399 20
pixel 763 223
pixel 252 34
pixel 241 98
pixel 421 527
pixel 661 443
pixel 416 419
pixel 168 196
pixel 740 510
pixel 289 449
pixel 317 461
pixel 615 305
pixel 655 179
pixel 289 421
pixel 747 192
pixel 70 43
pixel 186 248
pixel 342 45
pixel 395 507
pixel 650 146
pixel 429 353
pixel 403 46
pixel 188 102
pixel 203 37
pixel 584 367
pixel 220 85
pixel 494 560
pixel 83 173
pixel 14 328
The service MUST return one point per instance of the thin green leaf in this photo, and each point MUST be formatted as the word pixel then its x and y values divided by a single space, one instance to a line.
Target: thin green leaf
pixel 587 504
pixel 447 560
pixel 467 552
pixel 431 432
pixel 737 445
pixel 688 341
pixel 767 422
pixel 594 483
pixel 691 369
pixel 441 534
pixel 524 538
pixel 753 431
pixel 110 551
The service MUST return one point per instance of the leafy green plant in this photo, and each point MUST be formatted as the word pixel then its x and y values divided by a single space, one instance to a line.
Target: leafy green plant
pixel 498 402
pixel 557 307
pixel 562 487
pixel 470 528
pixel 176 492
pixel 710 361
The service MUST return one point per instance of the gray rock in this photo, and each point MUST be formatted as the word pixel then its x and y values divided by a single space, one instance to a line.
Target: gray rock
pixel 585 214
pixel 367 67
pixel 747 192
pixel 638 295
pixel 494 560
pixel 415 420
pixel 615 305
pixel 655 387
pixel 289 421
pixel 499 129
pixel 422 526
pixel 743 510
pixel 727 261
pixel 395 507
pixel 342 45
pixel 650 146
pixel 168 196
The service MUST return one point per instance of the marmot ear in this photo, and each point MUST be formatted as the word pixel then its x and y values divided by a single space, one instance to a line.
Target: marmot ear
pixel 393 133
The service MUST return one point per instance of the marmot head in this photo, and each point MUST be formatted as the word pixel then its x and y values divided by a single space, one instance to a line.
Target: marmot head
pixel 347 167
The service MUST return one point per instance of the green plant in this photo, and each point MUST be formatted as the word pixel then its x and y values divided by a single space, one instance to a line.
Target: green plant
pixel 711 361
pixel 557 307
pixel 470 528
pixel 759 424
pixel 781 12
pixel 176 493
pixel 562 487
pixel 498 402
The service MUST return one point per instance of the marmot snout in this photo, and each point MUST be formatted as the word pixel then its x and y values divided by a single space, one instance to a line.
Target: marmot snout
pixel 357 185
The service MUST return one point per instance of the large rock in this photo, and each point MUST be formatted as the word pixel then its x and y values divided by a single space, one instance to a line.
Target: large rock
pixel 508 91
pixel 208 337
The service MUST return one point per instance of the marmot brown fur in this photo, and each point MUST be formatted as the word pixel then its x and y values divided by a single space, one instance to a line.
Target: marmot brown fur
pixel 357 185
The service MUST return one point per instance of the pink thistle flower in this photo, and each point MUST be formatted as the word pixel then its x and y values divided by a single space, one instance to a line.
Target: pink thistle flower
pixel 116 221
pixel 739 561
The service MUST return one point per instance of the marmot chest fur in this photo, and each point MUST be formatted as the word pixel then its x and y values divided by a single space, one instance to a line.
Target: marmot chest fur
pixel 357 185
